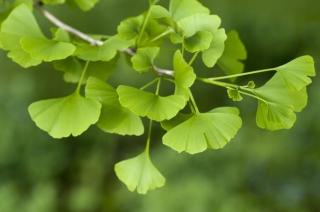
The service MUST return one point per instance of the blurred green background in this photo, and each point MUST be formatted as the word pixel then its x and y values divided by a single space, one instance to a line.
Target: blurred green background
pixel 258 171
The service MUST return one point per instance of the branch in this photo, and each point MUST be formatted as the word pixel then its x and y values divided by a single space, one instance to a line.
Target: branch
pixel 60 24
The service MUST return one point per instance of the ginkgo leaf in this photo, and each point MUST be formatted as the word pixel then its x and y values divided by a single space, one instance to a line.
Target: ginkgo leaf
pixel 147 104
pixel 62 117
pixel 18 24
pixel 213 129
pixel 278 104
pixel 158 11
pixel 130 28
pixel 180 9
pixel 183 72
pixel 47 50
pixel 199 22
pixel 106 52
pixel 139 174
pixel 178 119
pixel 114 118
pixel 211 55
pixel 233 55
pixel 235 95
pixel 53 1
pixel 297 72
pixel 85 5
pixel 198 42
pixel 23 58
pixel 143 60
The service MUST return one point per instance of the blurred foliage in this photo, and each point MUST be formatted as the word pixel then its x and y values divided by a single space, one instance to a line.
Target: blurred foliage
pixel 259 171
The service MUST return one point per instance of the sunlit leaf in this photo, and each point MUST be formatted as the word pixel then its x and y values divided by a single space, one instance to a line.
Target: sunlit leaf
pixel 114 118
pixel 106 52
pixel 183 72
pixel 199 22
pixel 147 104
pixel 211 55
pixel 183 8
pixel 47 50
pixel 213 129
pixel 297 72
pixel 139 174
pixel 62 117
pixel 279 103
pixel 85 5
pixel 198 42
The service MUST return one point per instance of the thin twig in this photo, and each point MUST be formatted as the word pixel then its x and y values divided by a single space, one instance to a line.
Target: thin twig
pixel 60 24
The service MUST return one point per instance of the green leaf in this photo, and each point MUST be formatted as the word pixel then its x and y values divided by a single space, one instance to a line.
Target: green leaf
pixel 53 1
pixel 114 118
pixel 198 42
pixel 139 174
pixel 216 49
pixel 143 60
pixel 85 5
pixel 60 35
pixel 235 95
pixel 47 50
pixel 147 104
pixel 199 22
pixel 213 129
pixel 158 11
pixel 183 72
pixel 297 72
pixel 20 23
pixel 279 103
pixel 106 52
pixel 178 119
pixel 62 117
pixel 72 68
pixel 233 55
pixel 183 8
pixel 130 28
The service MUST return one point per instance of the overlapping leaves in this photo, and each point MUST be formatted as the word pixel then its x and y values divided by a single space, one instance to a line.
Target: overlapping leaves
pixel 22 37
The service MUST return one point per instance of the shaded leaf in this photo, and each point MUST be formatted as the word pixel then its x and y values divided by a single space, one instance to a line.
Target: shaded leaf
pixel 233 55
pixel 143 60
pixel 198 42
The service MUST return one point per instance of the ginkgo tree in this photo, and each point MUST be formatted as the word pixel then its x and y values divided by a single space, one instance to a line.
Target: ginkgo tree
pixel 88 61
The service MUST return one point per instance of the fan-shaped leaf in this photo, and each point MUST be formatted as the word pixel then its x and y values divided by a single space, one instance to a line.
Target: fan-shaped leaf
pixel 277 109
pixel 153 106
pixel 198 42
pixel 183 8
pixel 213 129
pixel 233 55
pixel 139 174
pixel 62 117
pixel 216 49
pixel 114 118
pixel 143 60
pixel 47 50
pixel 297 72
pixel 183 72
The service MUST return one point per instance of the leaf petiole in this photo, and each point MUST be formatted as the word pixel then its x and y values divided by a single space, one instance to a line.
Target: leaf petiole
pixel 193 102
pixel 194 57
pixel 167 32
pixel 144 25
pixel 241 89
pixel 243 74
pixel 150 83
pixel 83 74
